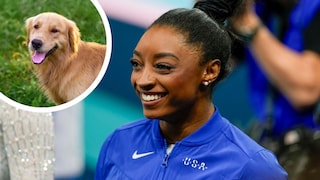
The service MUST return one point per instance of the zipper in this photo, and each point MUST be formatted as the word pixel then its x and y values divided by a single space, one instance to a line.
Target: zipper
pixel 164 166
pixel 165 161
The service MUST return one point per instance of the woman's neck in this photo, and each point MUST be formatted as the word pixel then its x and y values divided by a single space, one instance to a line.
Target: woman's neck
pixel 176 130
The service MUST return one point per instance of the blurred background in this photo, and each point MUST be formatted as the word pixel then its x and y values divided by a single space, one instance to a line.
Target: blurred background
pixel 81 130
pixel 114 102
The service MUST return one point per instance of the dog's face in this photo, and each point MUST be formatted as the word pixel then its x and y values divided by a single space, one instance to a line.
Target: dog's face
pixel 50 33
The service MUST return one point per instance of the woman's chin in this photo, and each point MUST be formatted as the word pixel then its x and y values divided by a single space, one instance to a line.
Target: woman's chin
pixel 151 114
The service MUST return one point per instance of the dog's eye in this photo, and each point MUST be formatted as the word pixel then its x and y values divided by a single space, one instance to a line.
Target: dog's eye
pixel 54 30
pixel 36 26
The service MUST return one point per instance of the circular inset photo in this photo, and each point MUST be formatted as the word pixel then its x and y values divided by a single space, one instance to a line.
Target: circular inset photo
pixel 53 54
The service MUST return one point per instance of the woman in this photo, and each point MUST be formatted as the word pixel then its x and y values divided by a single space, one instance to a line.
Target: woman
pixel 176 64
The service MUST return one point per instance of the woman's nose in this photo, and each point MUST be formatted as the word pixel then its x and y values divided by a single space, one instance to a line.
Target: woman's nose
pixel 146 80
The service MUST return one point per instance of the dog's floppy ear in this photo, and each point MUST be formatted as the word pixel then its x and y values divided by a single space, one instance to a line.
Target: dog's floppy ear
pixel 28 24
pixel 74 36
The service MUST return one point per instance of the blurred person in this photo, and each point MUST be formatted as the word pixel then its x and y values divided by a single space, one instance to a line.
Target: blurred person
pixel 283 57
pixel 176 64
pixel 26 144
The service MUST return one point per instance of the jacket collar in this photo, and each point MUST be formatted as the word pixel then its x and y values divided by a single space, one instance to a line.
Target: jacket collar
pixel 207 132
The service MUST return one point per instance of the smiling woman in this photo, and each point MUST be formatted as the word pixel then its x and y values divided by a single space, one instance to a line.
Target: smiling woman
pixel 175 66
pixel 18 80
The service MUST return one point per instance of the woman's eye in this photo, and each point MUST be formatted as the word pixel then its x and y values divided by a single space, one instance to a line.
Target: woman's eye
pixel 164 68
pixel 135 64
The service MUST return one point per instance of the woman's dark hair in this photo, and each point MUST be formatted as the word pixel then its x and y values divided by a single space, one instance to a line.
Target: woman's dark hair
pixel 203 27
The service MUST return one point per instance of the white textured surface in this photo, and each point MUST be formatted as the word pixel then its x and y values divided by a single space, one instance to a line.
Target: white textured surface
pixel 26 144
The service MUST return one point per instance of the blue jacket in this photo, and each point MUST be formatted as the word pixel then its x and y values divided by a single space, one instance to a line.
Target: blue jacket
pixel 218 150
pixel 285 117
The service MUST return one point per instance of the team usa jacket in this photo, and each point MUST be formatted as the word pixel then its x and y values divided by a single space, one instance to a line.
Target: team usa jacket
pixel 218 150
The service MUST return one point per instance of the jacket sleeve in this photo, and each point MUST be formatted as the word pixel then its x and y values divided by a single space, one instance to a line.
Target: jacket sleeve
pixel 263 166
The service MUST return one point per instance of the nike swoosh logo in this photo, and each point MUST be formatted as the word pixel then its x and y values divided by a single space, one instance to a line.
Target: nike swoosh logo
pixel 135 155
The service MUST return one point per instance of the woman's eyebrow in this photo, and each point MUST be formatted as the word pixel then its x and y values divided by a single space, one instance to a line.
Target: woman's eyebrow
pixel 137 53
pixel 166 54
pixel 158 55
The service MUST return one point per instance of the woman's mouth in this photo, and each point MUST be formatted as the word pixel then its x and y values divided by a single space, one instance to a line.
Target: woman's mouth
pixel 151 97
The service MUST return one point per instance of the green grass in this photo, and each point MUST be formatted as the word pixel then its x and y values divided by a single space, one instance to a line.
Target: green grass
pixel 17 78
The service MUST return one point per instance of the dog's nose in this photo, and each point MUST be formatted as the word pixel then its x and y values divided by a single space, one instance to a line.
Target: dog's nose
pixel 36 44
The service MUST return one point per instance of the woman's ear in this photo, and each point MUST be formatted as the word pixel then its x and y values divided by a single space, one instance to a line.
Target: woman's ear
pixel 74 36
pixel 212 71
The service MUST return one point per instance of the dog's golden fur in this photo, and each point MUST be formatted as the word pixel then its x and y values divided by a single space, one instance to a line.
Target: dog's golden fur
pixel 64 64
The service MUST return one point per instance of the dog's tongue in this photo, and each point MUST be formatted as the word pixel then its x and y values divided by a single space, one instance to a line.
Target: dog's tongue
pixel 38 57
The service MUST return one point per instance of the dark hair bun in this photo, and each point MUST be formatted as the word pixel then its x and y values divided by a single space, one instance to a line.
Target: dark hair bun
pixel 219 10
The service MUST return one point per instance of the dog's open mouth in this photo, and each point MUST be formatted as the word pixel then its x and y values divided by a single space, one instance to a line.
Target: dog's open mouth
pixel 39 57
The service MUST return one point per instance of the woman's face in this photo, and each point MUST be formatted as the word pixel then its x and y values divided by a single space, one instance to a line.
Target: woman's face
pixel 166 74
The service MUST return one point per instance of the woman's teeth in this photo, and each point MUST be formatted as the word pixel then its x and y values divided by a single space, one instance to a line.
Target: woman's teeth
pixel 146 97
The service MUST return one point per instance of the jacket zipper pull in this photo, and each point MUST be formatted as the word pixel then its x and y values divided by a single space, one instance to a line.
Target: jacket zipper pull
pixel 165 161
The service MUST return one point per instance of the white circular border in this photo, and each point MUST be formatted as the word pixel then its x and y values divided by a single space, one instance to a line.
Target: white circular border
pixel 102 72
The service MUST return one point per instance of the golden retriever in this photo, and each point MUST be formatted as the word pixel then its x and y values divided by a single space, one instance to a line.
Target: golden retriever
pixel 64 64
